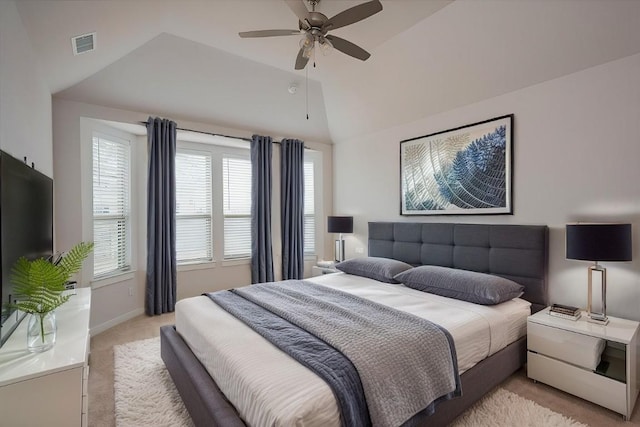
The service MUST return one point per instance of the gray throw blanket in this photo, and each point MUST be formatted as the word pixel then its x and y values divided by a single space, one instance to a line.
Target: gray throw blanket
pixel 406 364
pixel 325 361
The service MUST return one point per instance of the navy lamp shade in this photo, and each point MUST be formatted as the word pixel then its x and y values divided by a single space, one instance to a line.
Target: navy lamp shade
pixel 598 242
pixel 339 224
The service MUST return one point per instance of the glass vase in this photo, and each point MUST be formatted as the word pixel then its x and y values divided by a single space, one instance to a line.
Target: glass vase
pixel 41 332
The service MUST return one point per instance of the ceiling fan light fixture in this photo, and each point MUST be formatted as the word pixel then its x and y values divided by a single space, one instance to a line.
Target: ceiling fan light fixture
pixel 307 53
pixel 307 41
pixel 325 46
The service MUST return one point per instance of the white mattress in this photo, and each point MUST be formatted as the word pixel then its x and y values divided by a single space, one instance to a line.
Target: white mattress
pixel 269 388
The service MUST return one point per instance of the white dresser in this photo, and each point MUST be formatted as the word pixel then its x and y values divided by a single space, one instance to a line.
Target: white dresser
pixel 561 354
pixel 48 388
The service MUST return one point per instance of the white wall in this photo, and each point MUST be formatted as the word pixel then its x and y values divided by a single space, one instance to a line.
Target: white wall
pixel 113 303
pixel 576 157
pixel 25 99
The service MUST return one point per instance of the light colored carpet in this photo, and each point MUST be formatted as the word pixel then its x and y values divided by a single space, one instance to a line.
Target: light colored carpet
pixel 504 408
pixel 144 391
pixel 145 396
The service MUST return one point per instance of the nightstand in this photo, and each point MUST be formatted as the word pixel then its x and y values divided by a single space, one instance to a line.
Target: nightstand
pixel 563 353
pixel 316 270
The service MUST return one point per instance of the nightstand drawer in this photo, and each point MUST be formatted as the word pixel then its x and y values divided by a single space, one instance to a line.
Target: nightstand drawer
pixel 604 391
pixel 577 349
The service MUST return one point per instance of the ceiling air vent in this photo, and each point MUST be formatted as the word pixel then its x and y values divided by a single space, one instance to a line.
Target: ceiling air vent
pixel 83 43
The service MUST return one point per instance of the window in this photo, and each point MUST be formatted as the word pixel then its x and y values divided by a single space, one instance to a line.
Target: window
pixel 236 184
pixel 213 201
pixel 193 207
pixel 111 205
pixel 309 209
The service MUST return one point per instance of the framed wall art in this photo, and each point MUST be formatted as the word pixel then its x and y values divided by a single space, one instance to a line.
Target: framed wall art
pixel 461 171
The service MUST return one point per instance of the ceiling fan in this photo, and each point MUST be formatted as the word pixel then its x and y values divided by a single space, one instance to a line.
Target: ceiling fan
pixel 314 27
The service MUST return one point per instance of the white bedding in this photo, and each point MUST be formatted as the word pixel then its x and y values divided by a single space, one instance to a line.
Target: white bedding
pixel 269 388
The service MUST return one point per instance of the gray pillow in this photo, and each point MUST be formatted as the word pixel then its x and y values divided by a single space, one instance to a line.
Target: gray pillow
pixel 381 269
pixel 464 285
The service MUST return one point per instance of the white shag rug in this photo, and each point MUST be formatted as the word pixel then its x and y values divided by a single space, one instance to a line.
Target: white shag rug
pixel 503 408
pixel 145 396
pixel 144 391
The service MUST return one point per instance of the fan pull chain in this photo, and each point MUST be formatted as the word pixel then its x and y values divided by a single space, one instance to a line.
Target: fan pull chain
pixel 306 89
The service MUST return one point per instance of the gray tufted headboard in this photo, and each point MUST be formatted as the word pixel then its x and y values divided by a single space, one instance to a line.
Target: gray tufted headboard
pixel 516 252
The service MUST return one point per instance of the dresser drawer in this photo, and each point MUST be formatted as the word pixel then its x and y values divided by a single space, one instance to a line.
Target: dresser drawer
pixel 596 388
pixel 574 348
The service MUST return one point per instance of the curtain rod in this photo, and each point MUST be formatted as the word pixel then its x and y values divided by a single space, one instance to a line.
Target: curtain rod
pixel 208 133
pixel 219 134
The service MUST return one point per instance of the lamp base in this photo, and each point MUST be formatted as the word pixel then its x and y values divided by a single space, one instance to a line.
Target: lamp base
pixel 598 319
pixel 597 273
pixel 339 249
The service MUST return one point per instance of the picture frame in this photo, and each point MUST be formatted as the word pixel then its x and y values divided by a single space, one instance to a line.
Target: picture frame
pixel 467 170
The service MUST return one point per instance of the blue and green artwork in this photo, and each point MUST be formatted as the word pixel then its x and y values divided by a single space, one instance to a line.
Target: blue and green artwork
pixel 463 171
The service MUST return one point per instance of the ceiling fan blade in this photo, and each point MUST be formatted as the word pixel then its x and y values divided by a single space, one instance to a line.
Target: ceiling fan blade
pixel 354 14
pixel 301 61
pixel 298 7
pixel 268 33
pixel 349 48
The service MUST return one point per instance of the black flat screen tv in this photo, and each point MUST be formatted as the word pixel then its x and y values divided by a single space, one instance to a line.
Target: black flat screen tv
pixel 26 227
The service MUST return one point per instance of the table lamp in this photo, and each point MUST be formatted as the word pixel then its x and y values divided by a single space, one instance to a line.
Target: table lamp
pixel 340 224
pixel 598 242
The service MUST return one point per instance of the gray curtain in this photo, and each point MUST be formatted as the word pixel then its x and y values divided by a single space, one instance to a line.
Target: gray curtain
pixel 292 208
pixel 261 253
pixel 160 294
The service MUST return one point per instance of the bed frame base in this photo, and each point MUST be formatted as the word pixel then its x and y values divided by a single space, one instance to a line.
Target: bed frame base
pixel 201 396
pixel 209 407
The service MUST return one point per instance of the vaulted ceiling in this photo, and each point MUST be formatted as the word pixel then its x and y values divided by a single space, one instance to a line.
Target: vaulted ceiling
pixel 184 59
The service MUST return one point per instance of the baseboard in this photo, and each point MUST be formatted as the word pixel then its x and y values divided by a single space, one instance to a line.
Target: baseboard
pixel 113 322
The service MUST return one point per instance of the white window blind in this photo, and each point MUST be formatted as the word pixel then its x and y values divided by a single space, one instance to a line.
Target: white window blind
pixel 309 209
pixel 111 205
pixel 237 207
pixel 193 207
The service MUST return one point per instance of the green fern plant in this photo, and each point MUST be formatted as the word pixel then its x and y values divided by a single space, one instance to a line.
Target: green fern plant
pixel 38 284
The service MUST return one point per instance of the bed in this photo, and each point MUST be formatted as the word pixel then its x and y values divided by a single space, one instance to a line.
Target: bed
pixel 516 252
